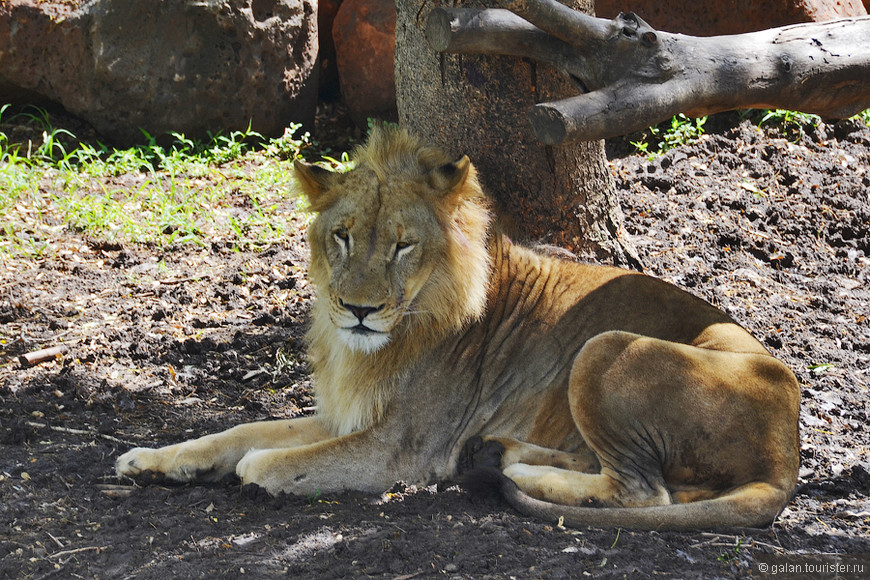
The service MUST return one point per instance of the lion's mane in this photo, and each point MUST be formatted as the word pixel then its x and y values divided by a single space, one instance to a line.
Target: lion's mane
pixel 353 389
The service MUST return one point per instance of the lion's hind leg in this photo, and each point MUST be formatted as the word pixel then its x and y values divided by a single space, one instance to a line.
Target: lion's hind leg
pixel 572 488
pixel 687 423
pixel 686 437
pixel 539 471
pixel 501 452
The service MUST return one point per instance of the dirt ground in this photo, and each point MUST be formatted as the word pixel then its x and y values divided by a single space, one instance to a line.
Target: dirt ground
pixel 771 226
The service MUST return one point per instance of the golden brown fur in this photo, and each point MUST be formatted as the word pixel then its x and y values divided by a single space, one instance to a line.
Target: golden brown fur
pixel 435 341
pixel 354 386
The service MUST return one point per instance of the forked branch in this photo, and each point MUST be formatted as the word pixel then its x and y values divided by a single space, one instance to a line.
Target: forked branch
pixel 632 76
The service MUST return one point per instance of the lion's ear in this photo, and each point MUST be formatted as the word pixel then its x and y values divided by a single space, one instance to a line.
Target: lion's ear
pixel 448 177
pixel 314 181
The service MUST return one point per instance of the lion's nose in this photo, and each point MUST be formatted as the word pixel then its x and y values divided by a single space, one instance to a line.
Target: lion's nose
pixel 361 311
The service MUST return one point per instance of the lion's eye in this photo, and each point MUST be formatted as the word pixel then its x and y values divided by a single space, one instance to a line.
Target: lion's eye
pixel 403 248
pixel 342 238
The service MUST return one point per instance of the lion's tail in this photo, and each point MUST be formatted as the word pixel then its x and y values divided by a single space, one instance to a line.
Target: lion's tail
pixel 752 505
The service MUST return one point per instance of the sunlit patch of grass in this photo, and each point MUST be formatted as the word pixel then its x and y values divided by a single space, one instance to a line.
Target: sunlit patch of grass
pixel 680 130
pixel 795 124
pixel 786 118
pixel 236 188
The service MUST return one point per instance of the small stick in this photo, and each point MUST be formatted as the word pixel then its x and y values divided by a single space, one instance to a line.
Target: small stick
pixel 116 491
pixel 173 281
pixel 39 356
pixel 56 541
pixel 779 549
pixel 76 551
pixel 77 432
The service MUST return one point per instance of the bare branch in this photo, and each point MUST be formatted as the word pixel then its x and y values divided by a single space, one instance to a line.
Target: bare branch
pixel 639 76
pixel 583 31
pixel 499 32
pixel 39 356
pixel 472 31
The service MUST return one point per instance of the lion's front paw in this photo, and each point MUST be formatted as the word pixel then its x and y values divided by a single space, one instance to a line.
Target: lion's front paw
pixel 142 464
pixel 169 463
pixel 256 468
pixel 278 471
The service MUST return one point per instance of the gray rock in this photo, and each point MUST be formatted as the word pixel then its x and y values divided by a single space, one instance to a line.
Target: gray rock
pixel 191 66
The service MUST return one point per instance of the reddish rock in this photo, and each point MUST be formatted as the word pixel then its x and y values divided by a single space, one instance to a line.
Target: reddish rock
pixel 164 65
pixel 365 43
pixel 712 17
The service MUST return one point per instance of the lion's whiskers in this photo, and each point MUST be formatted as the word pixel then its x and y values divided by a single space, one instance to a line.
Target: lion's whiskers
pixel 418 311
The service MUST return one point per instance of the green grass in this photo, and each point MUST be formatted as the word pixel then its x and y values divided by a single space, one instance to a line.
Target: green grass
pixel 236 188
pixel 792 124
pixel 795 121
pixel 785 118
pixel 680 130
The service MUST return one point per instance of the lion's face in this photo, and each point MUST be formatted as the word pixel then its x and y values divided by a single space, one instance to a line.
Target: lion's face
pixel 387 243
pixel 378 243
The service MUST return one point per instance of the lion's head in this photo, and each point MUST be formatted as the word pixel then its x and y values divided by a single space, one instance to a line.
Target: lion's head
pixel 399 258
pixel 399 242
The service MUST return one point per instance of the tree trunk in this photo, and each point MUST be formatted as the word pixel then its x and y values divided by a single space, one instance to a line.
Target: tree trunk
pixel 478 105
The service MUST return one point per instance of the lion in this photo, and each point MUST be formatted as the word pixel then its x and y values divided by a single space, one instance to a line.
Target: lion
pixel 598 395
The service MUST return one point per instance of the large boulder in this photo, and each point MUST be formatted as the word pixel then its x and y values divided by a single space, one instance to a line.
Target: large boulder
pixel 191 66
pixel 713 17
pixel 365 42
